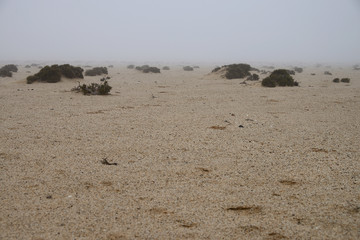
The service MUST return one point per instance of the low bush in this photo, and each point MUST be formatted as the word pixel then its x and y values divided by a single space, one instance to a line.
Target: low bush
pixel 96 71
pixel 188 68
pixel 336 80
pixel 10 68
pixel 291 72
pixel 27 66
pixel 216 69
pixel 147 69
pixel 345 80
pixel 110 66
pixel 253 77
pixel 52 74
pixel 69 71
pixel 237 71
pixel 233 71
pixel 141 68
pixel 166 68
pixel 268 82
pixel 130 66
pixel 7 70
pixel 327 73
pixel 5 73
pixel 93 88
pixel 279 77
pixel 356 67
pixel 151 69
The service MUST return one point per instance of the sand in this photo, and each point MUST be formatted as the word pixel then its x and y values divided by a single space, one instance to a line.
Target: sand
pixel 185 169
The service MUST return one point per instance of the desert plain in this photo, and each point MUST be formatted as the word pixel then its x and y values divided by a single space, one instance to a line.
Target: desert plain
pixel 197 157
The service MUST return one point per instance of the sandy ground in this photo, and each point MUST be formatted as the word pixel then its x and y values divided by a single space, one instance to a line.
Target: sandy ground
pixel 185 169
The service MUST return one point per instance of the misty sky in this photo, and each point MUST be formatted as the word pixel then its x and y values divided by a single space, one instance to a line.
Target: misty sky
pixel 181 30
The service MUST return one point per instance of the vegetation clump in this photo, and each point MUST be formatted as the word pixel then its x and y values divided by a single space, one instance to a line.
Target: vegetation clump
pixel 279 77
pixel 148 69
pixel 7 70
pixel 52 74
pixel 140 68
pixel 291 72
pixel 10 68
pixel 345 80
pixel 233 71
pixel 131 66
pixel 151 69
pixel 166 68
pixel 253 77
pixel 237 71
pixel 93 88
pixel 356 67
pixel 336 80
pixel 96 71
pixel 216 69
pixel 327 73
pixel 188 68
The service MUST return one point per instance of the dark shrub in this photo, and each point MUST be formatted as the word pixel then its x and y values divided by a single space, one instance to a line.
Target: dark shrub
pixel 52 74
pixel 279 77
pixel 141 68
pixel 69 71
pixel 31 79
pixel 10 68
pixel 356 67
pixel 93 88
pixel 166 68
pixel 313 74
pixel 237 71
pixel 291 72
pixel 232 71
pixel 298 69
pixel 345 80
pixel 110 66
pixel 34 65
pixel 151 69
pixel 196 67
pixel 268 82
pixel 336 80
pixel 327 73
pixel 216 69
pixel 253 77
pixel 5 73
pixel 7 70
pixel 148 69
pixel 27 66
pixel 96 71
pixel 188 68
pixel 130 66
pixel 49 74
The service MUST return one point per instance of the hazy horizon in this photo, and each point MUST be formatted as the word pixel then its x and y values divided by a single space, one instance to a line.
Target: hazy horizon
pixel 181 31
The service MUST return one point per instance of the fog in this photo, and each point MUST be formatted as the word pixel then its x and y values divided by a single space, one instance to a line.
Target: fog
pixel 193 31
